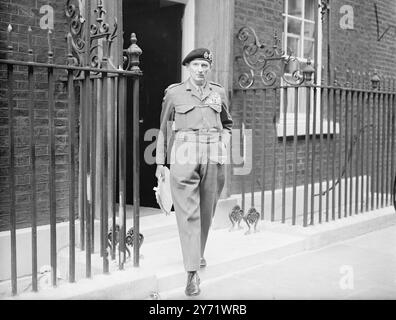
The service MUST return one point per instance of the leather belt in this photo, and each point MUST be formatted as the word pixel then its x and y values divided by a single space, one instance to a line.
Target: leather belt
pixel 200 135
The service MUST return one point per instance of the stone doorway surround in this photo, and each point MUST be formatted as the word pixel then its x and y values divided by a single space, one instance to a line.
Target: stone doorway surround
pixel 206 23
pixel 214 29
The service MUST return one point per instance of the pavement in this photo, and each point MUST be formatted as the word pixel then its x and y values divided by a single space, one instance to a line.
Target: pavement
pixel 349 258
pixel 359 268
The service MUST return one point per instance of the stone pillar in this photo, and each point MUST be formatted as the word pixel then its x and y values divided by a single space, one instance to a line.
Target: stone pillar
pixel 214 20
pixel 114 15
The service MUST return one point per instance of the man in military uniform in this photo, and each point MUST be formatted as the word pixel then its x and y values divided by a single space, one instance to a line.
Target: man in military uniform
pixel 195 128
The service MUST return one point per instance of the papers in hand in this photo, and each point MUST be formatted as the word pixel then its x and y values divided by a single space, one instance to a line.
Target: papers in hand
pixel 163 192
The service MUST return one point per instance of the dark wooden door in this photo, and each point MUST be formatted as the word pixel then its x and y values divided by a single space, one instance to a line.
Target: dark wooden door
pixel 158 29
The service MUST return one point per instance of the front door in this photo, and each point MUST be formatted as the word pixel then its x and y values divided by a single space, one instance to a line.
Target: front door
pixel 157 25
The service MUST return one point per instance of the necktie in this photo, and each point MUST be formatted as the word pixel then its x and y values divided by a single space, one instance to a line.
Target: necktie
pixel 200 90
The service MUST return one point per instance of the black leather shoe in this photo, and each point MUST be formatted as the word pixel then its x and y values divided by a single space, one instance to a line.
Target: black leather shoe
pixel 202 263
pixel 192 288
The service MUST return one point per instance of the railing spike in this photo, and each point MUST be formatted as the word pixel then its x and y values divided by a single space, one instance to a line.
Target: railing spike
pixel 353 80
pixel 347 83
pixel 9 43
pixel 364 80
pixel 50 51
pixel 335 70
pixel 71 61
pixel 30 46
pixel 359 80
pixel 375 80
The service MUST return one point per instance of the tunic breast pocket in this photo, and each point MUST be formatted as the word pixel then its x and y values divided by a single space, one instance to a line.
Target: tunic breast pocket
pixel 214 115
pixel 183 115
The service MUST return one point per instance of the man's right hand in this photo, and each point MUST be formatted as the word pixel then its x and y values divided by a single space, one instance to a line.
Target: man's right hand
pixel 160 172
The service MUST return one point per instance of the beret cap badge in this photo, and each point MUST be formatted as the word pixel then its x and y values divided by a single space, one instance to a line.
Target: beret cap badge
pixel 208 55
pixel 200 53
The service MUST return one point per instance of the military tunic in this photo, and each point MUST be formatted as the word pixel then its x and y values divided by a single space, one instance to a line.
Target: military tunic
pixel 194 133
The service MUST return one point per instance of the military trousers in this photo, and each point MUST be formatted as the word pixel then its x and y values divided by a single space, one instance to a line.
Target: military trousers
pixel 196 187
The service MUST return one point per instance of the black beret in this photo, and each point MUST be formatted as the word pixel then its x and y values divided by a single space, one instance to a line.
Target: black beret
pixel 200 53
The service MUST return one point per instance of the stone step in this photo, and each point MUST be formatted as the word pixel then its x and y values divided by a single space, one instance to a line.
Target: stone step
pixel 161 269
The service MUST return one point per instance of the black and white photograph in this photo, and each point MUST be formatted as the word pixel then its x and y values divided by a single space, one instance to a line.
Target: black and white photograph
pixel 213 152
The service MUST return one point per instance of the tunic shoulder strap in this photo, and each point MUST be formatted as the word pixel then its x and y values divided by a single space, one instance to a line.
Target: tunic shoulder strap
pixel 174 85
pixel 216 84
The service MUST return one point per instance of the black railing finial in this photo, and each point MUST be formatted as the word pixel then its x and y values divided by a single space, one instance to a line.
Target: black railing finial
pixel 133 53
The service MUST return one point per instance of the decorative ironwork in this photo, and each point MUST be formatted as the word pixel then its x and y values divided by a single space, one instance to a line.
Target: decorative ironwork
pixel 236 216
pixel 128 239
pixel 101 30
pixel 375 81
pixel 100 35
pixel 76 41
pixel 251 218
pixel 131 56
pixel 257 57
pixel 88 137
pixel 324 8
pixel 71 59
pixel 308 70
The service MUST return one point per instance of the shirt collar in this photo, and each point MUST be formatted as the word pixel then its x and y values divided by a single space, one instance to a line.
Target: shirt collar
pixel 190 84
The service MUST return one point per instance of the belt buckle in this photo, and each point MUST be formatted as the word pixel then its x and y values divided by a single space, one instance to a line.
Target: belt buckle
pixel 180 136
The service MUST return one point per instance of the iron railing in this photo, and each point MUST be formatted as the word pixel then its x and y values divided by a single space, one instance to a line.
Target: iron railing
pixel 96 97
pixel 331 145
pixel 342 153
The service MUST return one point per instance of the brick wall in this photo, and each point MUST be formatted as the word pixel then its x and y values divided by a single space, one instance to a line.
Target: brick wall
pixel 21 14
pixel 356 49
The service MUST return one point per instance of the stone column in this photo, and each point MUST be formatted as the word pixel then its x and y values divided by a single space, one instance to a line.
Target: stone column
pixel 214 20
